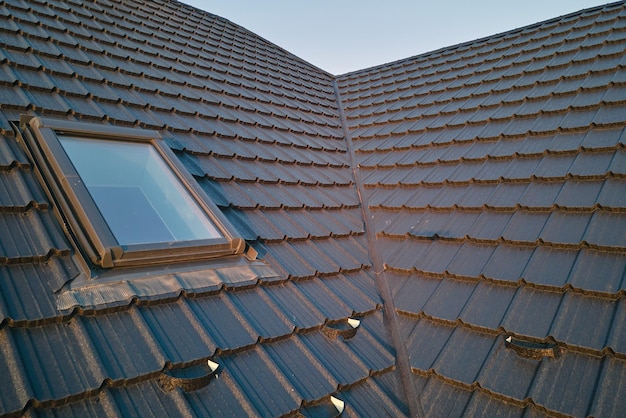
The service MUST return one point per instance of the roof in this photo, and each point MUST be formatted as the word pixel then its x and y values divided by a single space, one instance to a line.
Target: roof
pixel 467 205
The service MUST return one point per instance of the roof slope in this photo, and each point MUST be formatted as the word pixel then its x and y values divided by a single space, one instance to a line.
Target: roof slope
pixel 258 128
pixel 494 174
pixel 450 201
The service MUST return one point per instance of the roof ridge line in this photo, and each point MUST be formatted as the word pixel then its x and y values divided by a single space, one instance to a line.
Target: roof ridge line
pixel 402 358
pixel 402 61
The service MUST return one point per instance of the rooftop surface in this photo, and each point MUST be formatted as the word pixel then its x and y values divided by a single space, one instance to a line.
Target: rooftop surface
pixel 468 206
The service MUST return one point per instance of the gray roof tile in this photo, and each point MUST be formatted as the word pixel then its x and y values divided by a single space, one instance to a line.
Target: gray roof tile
pixel 565 227
pixel 507 262
pixel 487 305
pixel 582 312
pixel 223 322
pixel 606 229
pixel 465 365
pixel 424 340
pixel 448 300
pixel 339 360
pixel 572 367
pixel 531 312
pixel 257 386
pixel 525 226
pixel 496 373
pixel 611 268
pixel 384 388
pixel 578 194
pixel 434 389
pixel 548 266
pixel 414 292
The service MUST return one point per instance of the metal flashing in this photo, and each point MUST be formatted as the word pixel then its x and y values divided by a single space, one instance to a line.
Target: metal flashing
pixel 129 284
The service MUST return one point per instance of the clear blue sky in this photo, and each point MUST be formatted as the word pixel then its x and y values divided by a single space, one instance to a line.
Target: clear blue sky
pixel 346 35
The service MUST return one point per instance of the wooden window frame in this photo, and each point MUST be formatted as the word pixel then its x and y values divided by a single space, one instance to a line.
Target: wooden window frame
pixel 79 214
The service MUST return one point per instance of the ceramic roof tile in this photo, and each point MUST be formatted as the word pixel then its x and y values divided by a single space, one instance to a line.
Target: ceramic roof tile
pixel 618 163
pixel 536 307
pixel 540 194
pixel 178 333
pixel 609 386
pixel 128 330
pixel 27 289
pixel 223 322
pixel 479 346
pixel 72 364
pixel 578 194
pixel 425 341
pixel 487 305
pixel 300 311
pixel 434 390
pixel 496 373
pixel 385 388
pixel 610 268
pixel 294 360
pixel 266 318
pixel 575 313
pixel 549 266
pixel 13 397
pixel 470 254
pixel 258 386
pixel 329 304
pixel 449 299
pixel 507 262
pixel 575 367
pixel 565 227
pixel 43 238
pixel 335 355
pixel 489 225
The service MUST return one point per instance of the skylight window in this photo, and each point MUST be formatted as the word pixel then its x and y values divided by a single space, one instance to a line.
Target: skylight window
pixel 123 196
pixel 138 195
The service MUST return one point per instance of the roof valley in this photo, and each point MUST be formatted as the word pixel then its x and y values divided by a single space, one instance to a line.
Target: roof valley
pixel 379 271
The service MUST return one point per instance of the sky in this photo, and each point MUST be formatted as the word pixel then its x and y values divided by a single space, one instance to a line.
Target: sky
pixel 340 36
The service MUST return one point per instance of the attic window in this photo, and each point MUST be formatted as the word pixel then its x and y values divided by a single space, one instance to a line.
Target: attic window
pixel 137 194
pixel 123 196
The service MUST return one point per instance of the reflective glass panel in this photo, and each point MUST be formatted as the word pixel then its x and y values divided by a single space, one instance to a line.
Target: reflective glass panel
pixel 138 195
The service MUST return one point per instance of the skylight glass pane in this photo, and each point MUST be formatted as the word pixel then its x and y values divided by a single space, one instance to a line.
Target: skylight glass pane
pixel 138 195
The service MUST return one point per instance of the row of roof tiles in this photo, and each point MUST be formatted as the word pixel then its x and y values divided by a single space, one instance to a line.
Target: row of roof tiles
pixel 582 166
pixel 84 352
pixel 226 397
pixel 542 314
pixel 276 195
pixel 186 53
pixel 550 63
pixel 205 119
pixel 440 149
pixel 240 170
pixel 568 266
pixel 593 229
pixel 575 384
pixel 449 127
pixel 503 104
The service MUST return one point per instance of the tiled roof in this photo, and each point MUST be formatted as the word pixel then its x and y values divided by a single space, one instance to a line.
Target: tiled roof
pixel 258 128
pixel 494 174
pixel 449 201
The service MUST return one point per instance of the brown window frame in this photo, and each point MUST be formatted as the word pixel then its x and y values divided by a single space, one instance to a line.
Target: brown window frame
pixel 80 215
